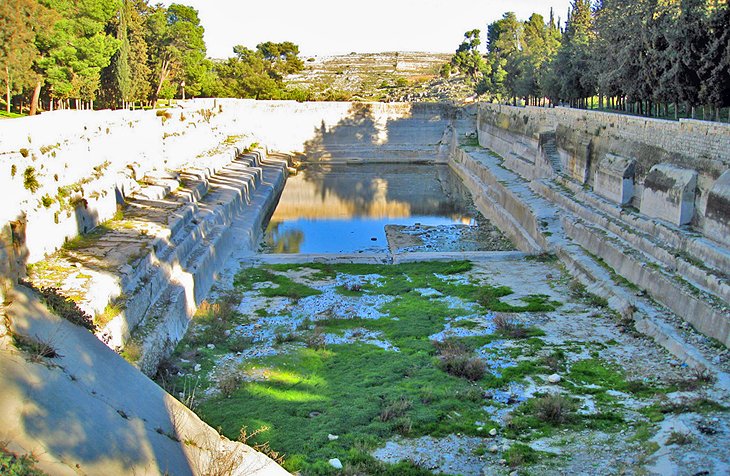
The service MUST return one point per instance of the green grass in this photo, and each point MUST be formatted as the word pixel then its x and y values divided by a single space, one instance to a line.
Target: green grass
pixel 10 115
pixel 360 392
pixel 604 376
pixel 350 386
pixel 285 286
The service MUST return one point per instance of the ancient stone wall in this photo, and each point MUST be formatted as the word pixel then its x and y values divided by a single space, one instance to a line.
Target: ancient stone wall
pixel 584 139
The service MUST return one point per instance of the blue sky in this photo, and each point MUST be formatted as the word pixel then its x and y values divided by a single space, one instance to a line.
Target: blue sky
pixel 326 27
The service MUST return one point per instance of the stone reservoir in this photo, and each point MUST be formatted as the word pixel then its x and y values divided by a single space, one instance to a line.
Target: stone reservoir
pixel 595 228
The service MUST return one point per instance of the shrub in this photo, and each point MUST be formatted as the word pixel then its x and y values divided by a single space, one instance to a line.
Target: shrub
pixel 395 409
pixel 30 181
pixel 12 464
pixel 316 340
pixel 403 425
pixel 13 170
pixel 166 369
pixel 553 409
pixel 230 380
pixel 520 454
pixel 457 359
pixel 508 327
pixel 36 349
pixel 281 337
pixel 679 438
pixel 239 343
pixel 47 201
pixel 445 71
pixel 24 152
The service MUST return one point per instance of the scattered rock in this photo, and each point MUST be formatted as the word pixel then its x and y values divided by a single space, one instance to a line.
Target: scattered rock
pixel 554 378
pixel 493 449
pixel 493 432
pixel 211 346
pixel 335 463
pixel 197 367
pixel 332 437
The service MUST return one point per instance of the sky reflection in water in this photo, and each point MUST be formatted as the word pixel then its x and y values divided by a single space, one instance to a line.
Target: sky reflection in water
pixel 340 209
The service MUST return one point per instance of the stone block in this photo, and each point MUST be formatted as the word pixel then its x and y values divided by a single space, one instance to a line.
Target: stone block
pixel 717 212
pixel 669 194
pixel 614 179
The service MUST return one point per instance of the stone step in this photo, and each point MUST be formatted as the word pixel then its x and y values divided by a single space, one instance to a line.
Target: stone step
pixel 705 278
pixel 169 255
pixel 709 316
pixel 167 320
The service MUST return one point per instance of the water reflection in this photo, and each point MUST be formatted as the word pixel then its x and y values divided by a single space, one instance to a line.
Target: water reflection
pixel 345 208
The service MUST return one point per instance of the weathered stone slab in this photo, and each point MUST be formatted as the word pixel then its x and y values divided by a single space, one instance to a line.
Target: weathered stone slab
pixel 669 193
pixel 614 179
pixel 717 212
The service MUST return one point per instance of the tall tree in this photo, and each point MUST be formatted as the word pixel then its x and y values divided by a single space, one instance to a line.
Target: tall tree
pixel 504 43
pixel 176 48
pixel 20 22
pixel 116 79
pixel 467 59
pixel 78 47
pixel 573 58
pixel 715 69
pixel 139 71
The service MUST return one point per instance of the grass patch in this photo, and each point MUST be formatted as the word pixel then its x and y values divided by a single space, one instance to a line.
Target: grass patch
pixel 359 392
pixel 605 376
pixel 283 285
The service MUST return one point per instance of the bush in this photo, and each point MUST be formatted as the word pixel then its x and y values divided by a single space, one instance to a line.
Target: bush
pixel 36 349
pixel 395 409
pixel 553 409
pixel 316 340
pixel 508 327
pixel 230 380
pixel 239 343
pixel 457 359
pixel 12 464
pixel 445 71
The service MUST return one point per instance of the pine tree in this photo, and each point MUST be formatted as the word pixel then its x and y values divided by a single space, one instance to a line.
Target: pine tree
pixel 20 22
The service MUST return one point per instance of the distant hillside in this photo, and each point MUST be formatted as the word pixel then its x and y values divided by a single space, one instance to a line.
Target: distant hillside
pixel 393 76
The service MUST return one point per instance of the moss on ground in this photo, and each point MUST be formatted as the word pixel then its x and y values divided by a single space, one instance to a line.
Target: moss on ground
pixel 367 395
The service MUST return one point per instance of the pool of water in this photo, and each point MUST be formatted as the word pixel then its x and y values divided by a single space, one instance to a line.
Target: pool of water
pixel 346 208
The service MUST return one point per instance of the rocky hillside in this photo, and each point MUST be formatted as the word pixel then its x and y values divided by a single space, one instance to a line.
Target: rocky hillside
pixel 394 76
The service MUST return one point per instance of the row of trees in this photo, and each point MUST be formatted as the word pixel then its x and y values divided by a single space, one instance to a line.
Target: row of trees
pixel 75 53
pixel 638 55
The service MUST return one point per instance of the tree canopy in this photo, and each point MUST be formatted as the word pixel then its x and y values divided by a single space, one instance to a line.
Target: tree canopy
pixel 637 55
pixel 78 53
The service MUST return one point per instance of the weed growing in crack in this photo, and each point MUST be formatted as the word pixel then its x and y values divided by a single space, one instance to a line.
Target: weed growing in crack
pixel 35 349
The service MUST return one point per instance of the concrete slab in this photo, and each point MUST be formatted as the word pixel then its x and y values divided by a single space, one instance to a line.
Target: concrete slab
pixel 717 212
pixel 669 194
pixel 614 179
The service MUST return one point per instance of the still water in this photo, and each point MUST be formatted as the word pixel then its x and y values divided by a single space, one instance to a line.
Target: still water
pixel 345 208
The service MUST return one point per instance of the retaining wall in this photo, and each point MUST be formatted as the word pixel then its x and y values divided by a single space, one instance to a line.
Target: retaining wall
pixel 584 139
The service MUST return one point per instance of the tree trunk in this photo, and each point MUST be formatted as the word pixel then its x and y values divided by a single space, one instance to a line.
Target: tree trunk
pixel 34 101
pixel 7 89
